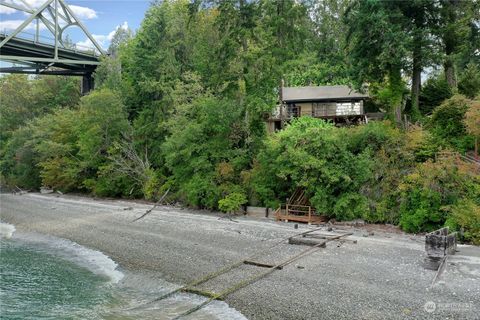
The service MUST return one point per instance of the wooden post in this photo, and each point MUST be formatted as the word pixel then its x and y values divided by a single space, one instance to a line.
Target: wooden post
pixel 476 148
pixel 282 84
pixel 309 215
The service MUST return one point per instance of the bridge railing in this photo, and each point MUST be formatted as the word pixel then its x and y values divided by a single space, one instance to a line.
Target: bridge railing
pixel 74 47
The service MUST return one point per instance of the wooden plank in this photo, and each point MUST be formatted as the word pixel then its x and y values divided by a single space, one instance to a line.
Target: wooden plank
pixel 263 265
pixel 305 242
pixel 259 276
pixel 440 270
pixel 204 293
pixel 322 236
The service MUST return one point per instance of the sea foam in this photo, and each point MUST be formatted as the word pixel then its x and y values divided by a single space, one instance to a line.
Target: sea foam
pixel 6 230
pixel 93 260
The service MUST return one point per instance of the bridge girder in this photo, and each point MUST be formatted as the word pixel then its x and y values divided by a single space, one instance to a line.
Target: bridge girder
pixel 48 58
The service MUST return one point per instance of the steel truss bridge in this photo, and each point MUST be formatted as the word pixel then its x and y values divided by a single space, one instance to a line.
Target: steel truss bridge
pixel 53 55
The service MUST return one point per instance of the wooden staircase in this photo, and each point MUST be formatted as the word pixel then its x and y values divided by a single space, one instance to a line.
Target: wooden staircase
pixel 298 209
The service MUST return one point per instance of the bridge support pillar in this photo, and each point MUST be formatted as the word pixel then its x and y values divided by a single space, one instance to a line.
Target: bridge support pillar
pixel 87 83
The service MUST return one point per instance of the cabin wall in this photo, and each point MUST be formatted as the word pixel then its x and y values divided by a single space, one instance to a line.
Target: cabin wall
pixel 330 109
pixel 305 108
pixel 318 110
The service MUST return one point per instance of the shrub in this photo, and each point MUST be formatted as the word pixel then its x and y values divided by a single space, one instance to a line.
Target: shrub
pixel 393 154
pixel 432 189
pixel 434 92
pixel 314 155
pixel 57 150
pixel 469 81
pixel 420 144
pixel 375 135
pixel 350 206
pixel 201 191
pixel 153 184
pixel 447 125
pixel 206 150
pixel 472 118
pixel 232 202
pixel 465 217
pixel 19 160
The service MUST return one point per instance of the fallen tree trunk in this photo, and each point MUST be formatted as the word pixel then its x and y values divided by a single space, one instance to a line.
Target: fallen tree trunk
pixel 154 206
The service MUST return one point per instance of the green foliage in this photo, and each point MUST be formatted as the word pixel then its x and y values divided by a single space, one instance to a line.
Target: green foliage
pixel 181 106
pixel 109 74
pixel 434 91
pixel 429 193
pixel 56 147
pixel 102 120
pixel 465 218
pixel 68 147
pixel 204 134
pixel 469 82
pixel 394 152
pixel 307 71
pixel 152 185
pixel 379 62
pixel 23 99
pixel 315 155
pixel 232 202
pixel 375 135
pixel 447 125
pixel 18 164
pixel 472 118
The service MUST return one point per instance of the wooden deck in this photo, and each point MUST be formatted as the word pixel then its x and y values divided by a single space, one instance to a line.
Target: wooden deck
pixel 298 213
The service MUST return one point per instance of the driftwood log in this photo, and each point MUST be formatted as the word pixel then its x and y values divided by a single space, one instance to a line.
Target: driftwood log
pixel 154 206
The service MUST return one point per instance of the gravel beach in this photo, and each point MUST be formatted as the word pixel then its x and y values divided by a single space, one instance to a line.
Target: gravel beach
pixel 379 277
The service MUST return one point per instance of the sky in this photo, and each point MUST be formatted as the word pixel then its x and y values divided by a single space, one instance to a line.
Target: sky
pixel 101 17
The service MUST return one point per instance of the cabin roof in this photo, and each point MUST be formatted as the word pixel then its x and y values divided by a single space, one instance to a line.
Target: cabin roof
pixel 297 94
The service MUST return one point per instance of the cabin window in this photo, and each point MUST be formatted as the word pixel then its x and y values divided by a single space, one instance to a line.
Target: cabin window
pixel 319 109
pixel 324 109
pixel 293 111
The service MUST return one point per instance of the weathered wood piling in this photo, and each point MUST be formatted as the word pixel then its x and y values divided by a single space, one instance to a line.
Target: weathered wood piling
pixel 439 244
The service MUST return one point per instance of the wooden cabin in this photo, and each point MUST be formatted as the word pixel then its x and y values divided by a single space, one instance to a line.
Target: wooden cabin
pixel 340 104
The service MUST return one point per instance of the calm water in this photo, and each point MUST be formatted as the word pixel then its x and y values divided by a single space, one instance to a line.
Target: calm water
pixel 43 277
pixel 36 284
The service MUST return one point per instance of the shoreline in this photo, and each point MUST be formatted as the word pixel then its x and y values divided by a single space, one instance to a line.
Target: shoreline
pixel 379 277
pixel 129 292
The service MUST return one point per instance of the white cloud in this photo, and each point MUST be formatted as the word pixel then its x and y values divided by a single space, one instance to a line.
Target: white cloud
pixel 10 24
pixel 103 40
pixel 32 3
pixel 123 26
pixel 83 12
pixel 80 12
pixel 6 10
pixel 14 24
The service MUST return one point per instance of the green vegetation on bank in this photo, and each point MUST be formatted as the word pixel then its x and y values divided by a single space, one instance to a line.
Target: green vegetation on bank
pixel 180 106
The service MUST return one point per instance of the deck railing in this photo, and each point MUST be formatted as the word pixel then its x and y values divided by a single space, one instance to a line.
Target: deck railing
pixel 458 156
pixel 299 213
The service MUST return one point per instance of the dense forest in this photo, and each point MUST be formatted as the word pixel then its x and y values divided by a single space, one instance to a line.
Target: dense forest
pixel 180 105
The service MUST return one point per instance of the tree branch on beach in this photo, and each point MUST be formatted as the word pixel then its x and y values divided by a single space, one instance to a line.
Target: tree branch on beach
pixel 126 160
